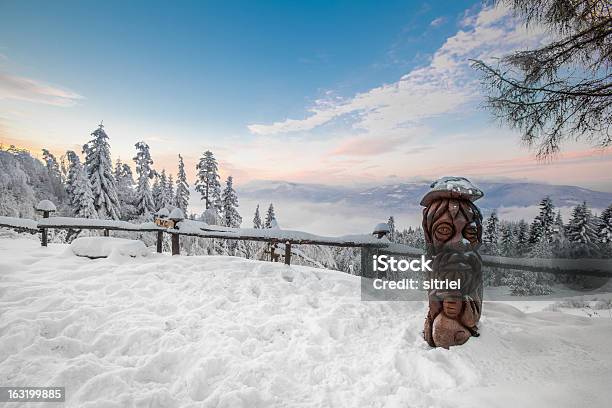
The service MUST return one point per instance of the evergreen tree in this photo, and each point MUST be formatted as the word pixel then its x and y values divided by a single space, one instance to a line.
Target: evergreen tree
pixel 229 199
pixel 55 174
pixel 541 249
pixel 558 220
pixel 164 192
pixel 63 167
pixel 156 192
pixel 559 241
pixel 79 189
pixel 182 188
pixel 506 243
pixel 581 232
pixel 491 235
pixel 391 223
pixel 170 190
pixel 257 219
pixel 270 217
pixel 543 224
pixel 207 183
pixel 53 167
pixel 144 199
pixel 73 164
pixel 100 173
pixel 125 189
pixel 522 238
pixel 604 232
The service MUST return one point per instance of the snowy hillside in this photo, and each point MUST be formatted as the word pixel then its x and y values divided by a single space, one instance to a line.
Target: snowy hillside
pixel 161 331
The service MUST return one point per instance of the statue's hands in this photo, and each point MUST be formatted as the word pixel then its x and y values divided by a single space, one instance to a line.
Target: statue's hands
pixel 471 312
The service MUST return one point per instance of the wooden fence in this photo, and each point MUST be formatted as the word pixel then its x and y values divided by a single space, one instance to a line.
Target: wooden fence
pixel 368 244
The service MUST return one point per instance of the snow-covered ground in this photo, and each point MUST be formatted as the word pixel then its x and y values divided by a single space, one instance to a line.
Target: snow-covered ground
pixel 162 331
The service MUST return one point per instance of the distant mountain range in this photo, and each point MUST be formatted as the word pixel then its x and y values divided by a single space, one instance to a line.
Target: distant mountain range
pixel 406 196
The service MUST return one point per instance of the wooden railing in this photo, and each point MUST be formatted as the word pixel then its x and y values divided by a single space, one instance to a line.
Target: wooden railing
pixel 369 244
pixel 192 229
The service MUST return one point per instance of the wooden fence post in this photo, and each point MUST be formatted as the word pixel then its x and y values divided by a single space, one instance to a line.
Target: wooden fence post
pixel 176 249
pixel 288 253
pixel 160 239
pixel 45 207
pixel 43 237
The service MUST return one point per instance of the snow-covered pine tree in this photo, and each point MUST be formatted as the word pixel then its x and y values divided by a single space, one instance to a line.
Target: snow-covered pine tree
pixel 63 165
pixel 559 241
pixel 123 174
pixel 164 194
pixel 391 223
pixel 581 233
pixel 604 232
pixel 543 224
pixel 257 219
pixel 125 189
pixel 100 173
pixel 491 235
pixel 507 240
pixel 53 167
pixel 71 175
pixel 156 191
pixel 559 219
pixel 144 199
pixel 529 283
pixel 207 183
pixel 522 238
pixel 79 189
pixel 55 174
pixel 229 200
pixel 17 195
pixel 182 188
pixel 170 191
pixel 270 216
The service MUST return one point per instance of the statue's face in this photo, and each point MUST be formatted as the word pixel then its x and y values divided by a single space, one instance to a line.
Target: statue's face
pixel 453 234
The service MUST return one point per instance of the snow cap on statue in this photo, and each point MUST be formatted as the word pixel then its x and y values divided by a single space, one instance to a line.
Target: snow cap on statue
pixel 452 187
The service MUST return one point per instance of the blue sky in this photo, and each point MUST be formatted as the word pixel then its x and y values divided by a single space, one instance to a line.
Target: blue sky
pixel 315 91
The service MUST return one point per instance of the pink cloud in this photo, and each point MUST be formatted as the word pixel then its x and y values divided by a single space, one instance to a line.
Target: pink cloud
pixel 25 89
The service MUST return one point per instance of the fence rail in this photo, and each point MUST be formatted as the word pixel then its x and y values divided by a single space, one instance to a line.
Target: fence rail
pixel 369 244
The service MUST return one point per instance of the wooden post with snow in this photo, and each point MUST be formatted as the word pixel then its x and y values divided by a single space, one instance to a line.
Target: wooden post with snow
pixel 176 216
pixel 367 269
pixel 46 207
pixel 161 220
pixel 288 253
pixel 176 247
pixel 160 240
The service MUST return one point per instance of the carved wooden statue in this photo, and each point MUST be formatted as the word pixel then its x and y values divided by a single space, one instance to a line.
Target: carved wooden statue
pixel 453 232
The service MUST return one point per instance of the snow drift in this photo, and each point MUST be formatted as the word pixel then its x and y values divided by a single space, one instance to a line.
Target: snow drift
pixel 164 331
pixel 102 247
